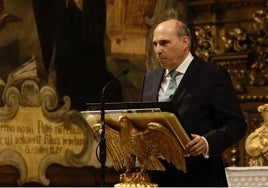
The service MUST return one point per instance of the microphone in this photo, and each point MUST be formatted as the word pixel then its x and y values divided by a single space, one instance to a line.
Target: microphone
pixel 123 72
pixel 102 144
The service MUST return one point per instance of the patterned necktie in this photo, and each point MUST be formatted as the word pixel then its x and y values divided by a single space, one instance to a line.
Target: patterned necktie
pixel 171 87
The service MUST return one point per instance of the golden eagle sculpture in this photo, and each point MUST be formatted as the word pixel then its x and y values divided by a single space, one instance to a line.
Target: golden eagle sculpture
pixel 131 141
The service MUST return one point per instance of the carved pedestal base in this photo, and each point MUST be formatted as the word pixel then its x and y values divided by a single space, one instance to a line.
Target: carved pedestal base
pixel 121 185
pixel 135 179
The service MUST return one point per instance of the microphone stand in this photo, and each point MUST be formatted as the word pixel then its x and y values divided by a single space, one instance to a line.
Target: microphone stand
pixel 102 139
pixel 102 143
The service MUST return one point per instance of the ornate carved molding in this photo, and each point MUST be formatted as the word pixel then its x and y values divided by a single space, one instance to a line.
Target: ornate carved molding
pixel 237 41
pixel 35 131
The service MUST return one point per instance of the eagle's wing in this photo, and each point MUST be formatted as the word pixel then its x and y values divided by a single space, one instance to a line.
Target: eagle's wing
pixel 164 144
pixel 113 145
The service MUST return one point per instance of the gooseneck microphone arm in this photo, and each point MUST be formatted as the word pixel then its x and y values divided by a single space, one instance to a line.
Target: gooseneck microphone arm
pixel 102 144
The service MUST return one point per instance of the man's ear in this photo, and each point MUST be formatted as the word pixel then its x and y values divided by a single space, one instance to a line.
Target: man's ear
pixel 186 41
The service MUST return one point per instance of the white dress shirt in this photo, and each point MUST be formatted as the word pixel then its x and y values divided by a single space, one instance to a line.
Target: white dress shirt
pixel 181 69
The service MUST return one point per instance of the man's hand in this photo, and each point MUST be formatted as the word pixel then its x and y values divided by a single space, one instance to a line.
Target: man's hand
pixel 197 146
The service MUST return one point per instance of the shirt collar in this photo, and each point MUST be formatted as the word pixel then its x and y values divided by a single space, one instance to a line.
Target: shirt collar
pixel 184 65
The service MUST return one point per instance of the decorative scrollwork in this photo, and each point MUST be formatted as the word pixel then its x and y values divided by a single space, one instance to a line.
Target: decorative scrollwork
pixel 205 44
pixel 49 103
pixel 12 100
pixel 259 68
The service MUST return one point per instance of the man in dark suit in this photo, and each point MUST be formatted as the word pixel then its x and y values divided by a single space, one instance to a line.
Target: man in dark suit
pixel 205 102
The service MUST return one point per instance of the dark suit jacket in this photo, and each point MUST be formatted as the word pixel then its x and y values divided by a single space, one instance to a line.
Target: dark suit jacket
pixel 207 105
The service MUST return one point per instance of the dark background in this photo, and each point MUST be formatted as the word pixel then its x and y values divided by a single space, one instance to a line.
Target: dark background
pixel 78 40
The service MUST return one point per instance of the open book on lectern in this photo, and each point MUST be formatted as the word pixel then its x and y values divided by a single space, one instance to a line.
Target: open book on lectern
pixel 144 112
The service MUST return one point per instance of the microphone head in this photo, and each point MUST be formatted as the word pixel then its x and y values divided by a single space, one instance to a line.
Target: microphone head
pixel 125 70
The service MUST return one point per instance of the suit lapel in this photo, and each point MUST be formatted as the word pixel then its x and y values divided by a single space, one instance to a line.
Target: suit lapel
pixel 188 80
pixel 156 82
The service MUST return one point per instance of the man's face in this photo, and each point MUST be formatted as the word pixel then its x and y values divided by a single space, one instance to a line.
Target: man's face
pixel 169 48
